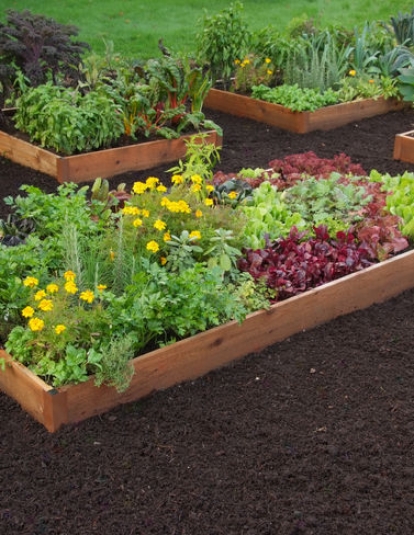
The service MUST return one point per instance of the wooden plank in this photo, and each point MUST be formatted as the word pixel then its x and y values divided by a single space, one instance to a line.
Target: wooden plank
pixel 404 147
pixel 194 357
pixel 23 386
pixel 299 122
pixel 26 154
pixel 104 163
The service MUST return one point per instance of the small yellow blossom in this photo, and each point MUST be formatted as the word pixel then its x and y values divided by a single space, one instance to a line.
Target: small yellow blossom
pixel 160 225
pixel 208 202
pixel 233 195
pixel 28 312
pixel 36 324
pixel 196 234
pixel 70 287
pixel 352 72
pixel 111 255
pixel 152 182
pixel 161 188
pixel 167 236
pixel 237 62
pixel 87 296
pixel 46 305
pixel 69 276
pixel 60 328
pixel 145 213
pixel 371 81
pixel 268 60
pixel 196 188
pixel 209 188
pixel 131 210
pixel 40 294
pixel 196 179
pixel 137 222
pixel 52 288
pixel 139 188
pixel 101 287
pixel 177 179
pixel 198 213
pixel 153 246
pixel 163 260
pixel 31 282
pixel 269 72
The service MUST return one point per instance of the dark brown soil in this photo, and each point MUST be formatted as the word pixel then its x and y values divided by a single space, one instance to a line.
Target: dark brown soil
pixel 315 435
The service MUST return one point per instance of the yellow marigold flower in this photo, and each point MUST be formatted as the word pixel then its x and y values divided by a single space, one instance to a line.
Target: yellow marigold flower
pixel 60 328
pixel 111 255
pixel 71 287
pixel 167 236
pixel 131 210
pixel 183 207
pixel 139 188
pixel 152 182
pixel 198 213
pixel 164 201
pixel 137 222
pixel 233 195
pixel 237 62
pixel 195 234
pixel 101 287
pixel 208 202
pixel 145 213
pixel 161 188
pixel 46 305
pixel 163 260
pixel 371 81
pixel 160 225
pixel 196 179
pixel 52 288
pixel 195 188
pixel 87 296
pixel 268 60
pixel 269 72
pixel 209 188
pixel 36 324
pixel 153 246
pixel 40 294
pixel 28 312
pixel 31 282
pixel 177 179
pixel 352 72
pixel 69 276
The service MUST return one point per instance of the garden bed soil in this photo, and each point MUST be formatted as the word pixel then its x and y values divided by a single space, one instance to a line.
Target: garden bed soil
pixel 311 436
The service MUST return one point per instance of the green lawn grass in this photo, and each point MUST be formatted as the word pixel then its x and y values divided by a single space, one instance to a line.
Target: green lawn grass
pixel 134 29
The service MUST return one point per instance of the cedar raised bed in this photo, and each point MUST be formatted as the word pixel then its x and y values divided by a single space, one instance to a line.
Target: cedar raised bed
pixel 103 163
pixel 299 122
pixel 404 147
pixel 195 356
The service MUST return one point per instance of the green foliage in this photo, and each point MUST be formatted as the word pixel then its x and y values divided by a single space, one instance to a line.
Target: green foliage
pixel 318 62
pixel 400 200
pixel 403 28
pixel 200 158
pixel 223 38
pixel 68 121
pixel 294 97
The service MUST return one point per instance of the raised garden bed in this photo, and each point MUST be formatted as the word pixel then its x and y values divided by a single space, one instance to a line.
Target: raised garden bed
pixel 299 122
pixel 103 163
pixel 404 147
pixel 195 356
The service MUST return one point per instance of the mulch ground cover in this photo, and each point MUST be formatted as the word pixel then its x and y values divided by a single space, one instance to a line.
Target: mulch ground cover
pixel 314 435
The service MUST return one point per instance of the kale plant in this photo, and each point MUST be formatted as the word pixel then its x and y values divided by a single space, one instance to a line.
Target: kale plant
pixel 39 47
